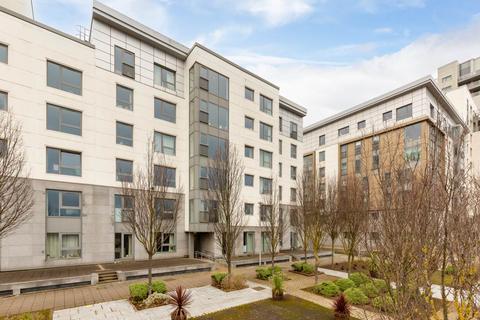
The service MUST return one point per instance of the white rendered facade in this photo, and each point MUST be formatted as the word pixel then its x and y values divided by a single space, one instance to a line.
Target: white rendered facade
pixel 23 79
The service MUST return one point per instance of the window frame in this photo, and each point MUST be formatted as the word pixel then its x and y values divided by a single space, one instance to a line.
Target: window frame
pixel 343 131
pixel 161 108
pixel 262 160
pixel 162 245
pixel 404 115
pixel 162 83
pixel 268 137
pixel 118 211
pixel 122 106
pixel 361 124
pixel 387 115
pixel 247 89
pixel 60 203
pixel 293 151
pixel 162 135
pixel 120 72
pixel 60 152
pixel 265 110
pixel 247 147
pixel 62 248
pixel 251 178
pixel 6 46
pixel 60 118
pixel 62 83
pixel 5 94
pixel 117 174
pixel 321 140
pixel 170 180
pixel 249 119
pixel 249 205
pixel 117 137
pixel 293 173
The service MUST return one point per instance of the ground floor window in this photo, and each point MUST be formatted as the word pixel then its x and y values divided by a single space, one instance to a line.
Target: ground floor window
pixel 63 245
pixel 166 242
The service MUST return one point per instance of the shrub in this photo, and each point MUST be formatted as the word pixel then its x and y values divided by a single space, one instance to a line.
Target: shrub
pixel 380 284
pixel 217 278
pixel 180 299
pixel 277 288
pixel 159 286
pixel 266 272
pixel 372 267
pixel 344 284
pixel 138 291
pixel 327 289
pixel 233 282
pixel 384 303
pixel 450 270
pixel 359 278
pixel 298 266
pixel 341 308
pixel 156 299
pixel 370 290
pixel 308 268
pixel 355 296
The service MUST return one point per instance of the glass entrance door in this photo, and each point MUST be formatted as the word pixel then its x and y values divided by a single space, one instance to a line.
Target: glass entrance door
pixel 127 246
pixel 123 246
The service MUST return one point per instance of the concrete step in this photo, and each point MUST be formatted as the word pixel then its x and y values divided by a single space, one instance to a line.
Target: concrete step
pixel 107 276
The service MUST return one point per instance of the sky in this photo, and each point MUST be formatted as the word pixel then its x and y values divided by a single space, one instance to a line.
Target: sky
pixel 326 55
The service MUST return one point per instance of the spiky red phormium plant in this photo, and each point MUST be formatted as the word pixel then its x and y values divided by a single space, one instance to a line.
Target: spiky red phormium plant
pixel 180 298
pixel 341 308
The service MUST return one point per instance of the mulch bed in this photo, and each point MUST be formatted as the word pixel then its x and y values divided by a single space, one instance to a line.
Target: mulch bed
pixel 357 266
pixel 304 273
pixel 142 306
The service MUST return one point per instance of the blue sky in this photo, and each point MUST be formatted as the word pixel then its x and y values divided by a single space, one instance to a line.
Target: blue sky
pixel 316 50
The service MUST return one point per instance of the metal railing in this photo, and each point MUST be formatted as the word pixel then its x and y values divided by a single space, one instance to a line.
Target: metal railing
pixel 204 255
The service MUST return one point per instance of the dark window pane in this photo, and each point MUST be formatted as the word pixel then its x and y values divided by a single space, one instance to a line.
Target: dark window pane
pixel 3 53
pixel 249 94
pixel 70 163
pixel 64 78
pixel 124 170
pixel 53 160
pixel 3 101
pixel 53 201
pixel 165 110
pixel 124 97
pixel 124 134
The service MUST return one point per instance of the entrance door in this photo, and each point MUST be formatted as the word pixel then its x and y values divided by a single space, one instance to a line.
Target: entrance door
pixel 123 246
pixel 248 242
pixel 118 245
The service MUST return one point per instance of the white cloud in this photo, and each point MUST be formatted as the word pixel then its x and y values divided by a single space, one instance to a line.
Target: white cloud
pixel 326 89
pixel 373 6
pixel 277 12
pixel 222 34
pixel 383 30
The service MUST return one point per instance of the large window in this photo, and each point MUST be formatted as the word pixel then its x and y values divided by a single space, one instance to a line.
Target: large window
pixel 358 156
pixel 123 207
pixel 214 115
pixel 375 152
pixel 214 82
pixel 265 131
pixel 164 77
pixel 265 159
pixel 124 169
pixel 124 62
pixel 64 120
pixel 165 143
pixel 249 180
pixel 343 159
pixel 3 53
pixel 3 100
pixel 404 112
pixel 265 186
pixel 212 146
pixel 293 151
pixel 266 105
pixel 412 142
pixel 124 134
pixel 165 242
pixel 63 203
pixel 165 110
pixel 64 78
pixel 164 176
pixel 249 152
pixel 64 162
pixel 249 123
pixel 249 94
pixel 343 131
pixel 165 208
pixel 124 97
pixel 63 246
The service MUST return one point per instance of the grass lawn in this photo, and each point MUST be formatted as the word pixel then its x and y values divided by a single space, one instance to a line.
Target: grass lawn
pixel 291 308
pixel 37 315
pixel 357 266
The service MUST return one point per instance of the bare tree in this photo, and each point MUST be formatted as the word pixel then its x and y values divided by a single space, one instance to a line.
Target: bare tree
pixel 332 217
pixel 16 194
pixel 155 199
pixel 272 221
pixel 300 216
pixel 225 176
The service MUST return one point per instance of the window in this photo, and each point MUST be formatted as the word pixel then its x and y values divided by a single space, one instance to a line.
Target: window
pixel 249 152
pixel 293 195
pixel 124 97
pixel 3 53
pixel 404 112
pixel 214 82
pixel 280 146
pixel 249 123
pixel 293 172
pixel 265 186
pixel 446 79
pixel 249 209
pixel 412 142
pixel 64 162
pixel 64 78
pixel 464 69
pixel 343 131
pixel 280 169
pixel 164 77
pixel 343 159
pixel 3 100
pixel 124 170
pixel 375 152
pixel 265 131
pixel 293 130
pixel 124 62
pixel 321 172
pixel 165 110
pixel 266 105
pixel 164 176
pixel 265 159
pixel 361 124
pixel 280 193
pixel 165 208
pixel 321 140
pixel 280 124
pixel 293 151
pixel 432 111
pixel 123 207
pixel 212 146
pixel 63 203
pixel 165 143
pixel 248 180
pixel 165 242
pixel 64 120
pixel 203 178
pixel 387 115
pixel 358 154
pixel 124 134
pixel 63 246
pixel 249 94
pixel 214 115
pixel 321 156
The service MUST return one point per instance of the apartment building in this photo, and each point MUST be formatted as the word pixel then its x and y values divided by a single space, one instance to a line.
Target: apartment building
pixel 333 147
pixel 87 111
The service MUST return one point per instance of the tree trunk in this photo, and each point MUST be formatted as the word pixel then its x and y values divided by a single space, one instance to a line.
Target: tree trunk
pixel 305 253
pixel 229 264
pixel 273 259
pixel 316 268
pixel 442 271
pixel 333 253
pixel 149 274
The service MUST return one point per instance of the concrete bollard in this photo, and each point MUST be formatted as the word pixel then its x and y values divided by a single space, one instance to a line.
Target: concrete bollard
pixel 94 280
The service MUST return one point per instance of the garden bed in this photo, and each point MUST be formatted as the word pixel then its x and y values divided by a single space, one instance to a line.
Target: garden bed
pixel 140 299
pixel 226 283
pixel 35 315
pixel 290 308
pixel 305 273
